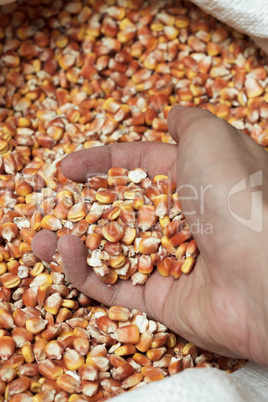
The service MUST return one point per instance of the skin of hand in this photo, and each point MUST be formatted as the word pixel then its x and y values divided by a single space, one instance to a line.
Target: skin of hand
pixel 222 306
pixel 261 42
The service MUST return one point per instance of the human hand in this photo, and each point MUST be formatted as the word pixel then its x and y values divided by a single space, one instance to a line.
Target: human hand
pixel 222 305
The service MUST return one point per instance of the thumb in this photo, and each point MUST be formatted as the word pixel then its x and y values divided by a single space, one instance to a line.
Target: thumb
pixel 212 157
pixel 192 121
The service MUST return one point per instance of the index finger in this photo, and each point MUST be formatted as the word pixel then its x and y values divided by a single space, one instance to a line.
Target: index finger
pixel 155 157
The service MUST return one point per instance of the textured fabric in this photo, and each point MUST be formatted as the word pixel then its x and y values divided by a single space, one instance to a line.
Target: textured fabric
pixel 249 384
pixel 247 16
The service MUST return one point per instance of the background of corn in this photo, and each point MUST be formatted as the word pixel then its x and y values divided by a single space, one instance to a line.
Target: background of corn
pixel 75 75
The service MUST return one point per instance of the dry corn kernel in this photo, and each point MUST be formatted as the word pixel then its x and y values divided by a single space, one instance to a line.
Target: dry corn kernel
pixel 35 325
pixel 50 370
pixel 53 303
pixel 9 280
pixel 125 350
pixel 7 347
pixel 112 232
pixel 50 222
pixel 68 67
pixel 128 334
pixel 27 352
pixel 72 360
pixel 118 313
pixel 132 380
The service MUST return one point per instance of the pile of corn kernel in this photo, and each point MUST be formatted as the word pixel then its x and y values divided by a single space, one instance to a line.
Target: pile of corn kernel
pixel 129 223
pixel 75 75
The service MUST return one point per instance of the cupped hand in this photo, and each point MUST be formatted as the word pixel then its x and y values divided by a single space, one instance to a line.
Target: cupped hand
pixel 222 305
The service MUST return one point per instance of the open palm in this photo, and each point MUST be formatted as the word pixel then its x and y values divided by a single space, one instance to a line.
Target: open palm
pixel 221 305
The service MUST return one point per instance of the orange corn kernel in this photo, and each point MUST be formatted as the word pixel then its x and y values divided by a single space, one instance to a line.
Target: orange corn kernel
pixel 128 334
pixel 118 313
pixel 164 266
pixel 113 232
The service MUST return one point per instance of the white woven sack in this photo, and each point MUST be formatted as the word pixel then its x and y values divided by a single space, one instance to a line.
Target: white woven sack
pixel 247 16
pixel 248 384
